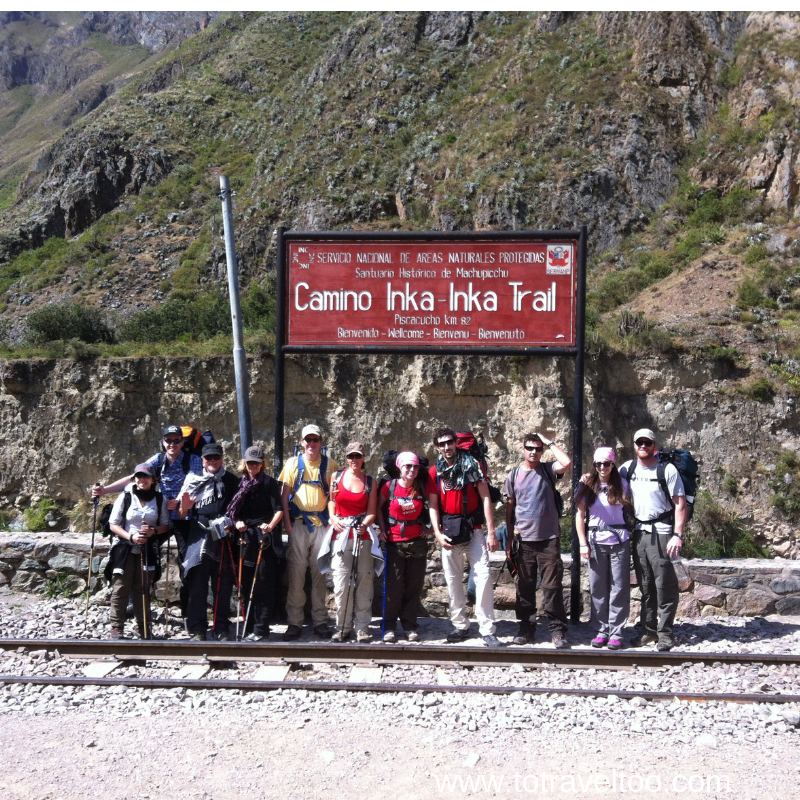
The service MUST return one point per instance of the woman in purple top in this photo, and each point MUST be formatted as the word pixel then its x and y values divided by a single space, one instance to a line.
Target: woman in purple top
pixel 601 500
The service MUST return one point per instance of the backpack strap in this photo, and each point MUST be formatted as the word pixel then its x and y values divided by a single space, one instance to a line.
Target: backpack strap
pixel 666 516
pixel 548 476
pixel 322 483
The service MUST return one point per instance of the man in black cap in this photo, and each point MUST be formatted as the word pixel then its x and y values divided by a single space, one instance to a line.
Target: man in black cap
pixel 170 467
pixel 203 501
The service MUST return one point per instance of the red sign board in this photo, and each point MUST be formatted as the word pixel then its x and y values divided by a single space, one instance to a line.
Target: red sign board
pixel 432 293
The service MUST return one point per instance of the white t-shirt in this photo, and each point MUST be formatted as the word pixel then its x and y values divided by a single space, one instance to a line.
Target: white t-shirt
pixel 649 500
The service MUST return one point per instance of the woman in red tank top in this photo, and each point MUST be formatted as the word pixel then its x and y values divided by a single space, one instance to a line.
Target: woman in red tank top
pixel 353 500
pixel 403 529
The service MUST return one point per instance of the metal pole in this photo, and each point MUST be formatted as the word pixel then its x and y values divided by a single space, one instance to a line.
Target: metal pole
pixel 280 357
pixel 239 356
pixel 577 424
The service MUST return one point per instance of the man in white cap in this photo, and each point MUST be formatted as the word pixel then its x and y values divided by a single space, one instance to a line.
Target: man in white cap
pixel 659 504
pixel 532 518
pixel 306 480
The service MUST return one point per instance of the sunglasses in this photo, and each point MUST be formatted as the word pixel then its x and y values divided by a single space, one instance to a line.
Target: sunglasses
pixel 213 458
pixel 531 448
pixel 409 466
pixel 603 464
pixel 312 439
pixel 446 443
pixel 250 463
pixel 354 456
pixel 644 442
pixel 173 441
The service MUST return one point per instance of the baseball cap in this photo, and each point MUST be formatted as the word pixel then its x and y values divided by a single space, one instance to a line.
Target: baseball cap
pixel 254 453
pixel 143 469
pixel 212 449
pixel 355 447
pixel 312 429
pixel 170 429
pixel 644 433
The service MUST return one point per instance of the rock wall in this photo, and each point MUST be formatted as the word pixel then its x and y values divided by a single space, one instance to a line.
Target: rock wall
pixel 66 424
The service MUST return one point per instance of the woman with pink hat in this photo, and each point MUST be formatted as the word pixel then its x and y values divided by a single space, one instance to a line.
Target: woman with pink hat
pixel 601 502
pixel 403 529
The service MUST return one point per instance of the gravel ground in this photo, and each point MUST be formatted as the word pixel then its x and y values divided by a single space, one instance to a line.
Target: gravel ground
pixel 298 743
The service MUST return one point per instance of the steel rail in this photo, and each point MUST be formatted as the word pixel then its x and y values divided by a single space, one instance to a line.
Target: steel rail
pixel 330 686
pixel 383 654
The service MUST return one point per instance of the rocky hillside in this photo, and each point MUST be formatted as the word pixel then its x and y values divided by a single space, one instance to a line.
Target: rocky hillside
pixel 673 136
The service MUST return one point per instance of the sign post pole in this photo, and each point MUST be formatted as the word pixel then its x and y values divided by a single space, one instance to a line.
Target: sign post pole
pixel 575 599
pixel 280 357
pixel 239 355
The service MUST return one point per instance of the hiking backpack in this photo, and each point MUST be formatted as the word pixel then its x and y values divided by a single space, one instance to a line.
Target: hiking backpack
pixel 322 483
pixel 686 465
pixel 477 448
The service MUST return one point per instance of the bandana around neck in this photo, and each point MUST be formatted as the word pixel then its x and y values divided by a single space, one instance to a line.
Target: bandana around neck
pixel 465 469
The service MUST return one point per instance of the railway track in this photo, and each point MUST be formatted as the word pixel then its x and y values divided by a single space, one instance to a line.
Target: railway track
pixel 375 656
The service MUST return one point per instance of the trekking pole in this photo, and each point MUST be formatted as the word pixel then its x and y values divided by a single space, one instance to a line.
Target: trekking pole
pixel 351 581
pixel 219 584
pixel 239 585
pixel 253 584
pixel 166 588
pixel 385 570
pixel 145 593
pixel 91 558
pixel 233 569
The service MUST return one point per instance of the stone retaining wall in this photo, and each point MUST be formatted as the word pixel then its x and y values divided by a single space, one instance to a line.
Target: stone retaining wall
pixel 58 562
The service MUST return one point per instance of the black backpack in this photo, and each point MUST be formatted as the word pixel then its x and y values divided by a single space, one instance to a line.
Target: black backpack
pixel 105 513
pixel 686 465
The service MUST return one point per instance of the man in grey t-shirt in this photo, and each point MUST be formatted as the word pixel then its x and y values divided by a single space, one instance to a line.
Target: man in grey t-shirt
pixel 657 537
pixel 532 517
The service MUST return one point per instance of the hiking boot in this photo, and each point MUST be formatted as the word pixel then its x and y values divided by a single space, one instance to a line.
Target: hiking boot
pixel 413 636
pixel 643 639
pixel 665 644
pixel 491 641
pixel 362 637
pixel 256 637
pixel 559 642
pixel 600 640
pixel 292 633
pixel 115 633
pixel 457 635
pixel 197 636
pixel 341 636
pixel 389 637
pixel 322 631
pixel 615 643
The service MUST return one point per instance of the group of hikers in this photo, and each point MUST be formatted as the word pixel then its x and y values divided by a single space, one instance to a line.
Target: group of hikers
pixel 343 521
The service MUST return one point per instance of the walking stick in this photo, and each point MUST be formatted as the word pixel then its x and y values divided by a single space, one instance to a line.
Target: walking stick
pixel 145 593
pixel 91 558
pixel 351 580
pixel 255 578
pixel 385 570
pixel 166 589
pixel 233 569
pixel 219 583
pixel 239 585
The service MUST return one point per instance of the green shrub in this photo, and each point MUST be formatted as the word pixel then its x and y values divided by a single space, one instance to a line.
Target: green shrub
pixel 749 295
pixel 755 255
pixel 259 308
pixel 36 516
pixel 198 318
pixel 565 529
pixel 786 497
pixel 716 532
pixel 760 389
pixel 65 321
